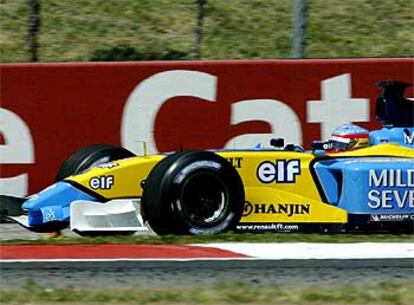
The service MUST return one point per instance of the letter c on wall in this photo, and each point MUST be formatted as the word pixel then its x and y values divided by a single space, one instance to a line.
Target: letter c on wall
pixel 147 98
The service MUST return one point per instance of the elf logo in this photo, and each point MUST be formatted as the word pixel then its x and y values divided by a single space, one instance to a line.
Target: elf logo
pixel 101 182
pixel 281 171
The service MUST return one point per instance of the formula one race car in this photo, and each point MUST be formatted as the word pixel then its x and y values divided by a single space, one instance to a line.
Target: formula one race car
pixel 357 180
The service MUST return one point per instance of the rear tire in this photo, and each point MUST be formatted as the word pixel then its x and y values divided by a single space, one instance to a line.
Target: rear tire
pixel 195 192
pixel 91 156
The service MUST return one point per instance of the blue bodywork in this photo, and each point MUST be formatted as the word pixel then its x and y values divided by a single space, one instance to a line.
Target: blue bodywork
pixel 376 185
pixel 371 185
pixel 402 136
pixel 53 204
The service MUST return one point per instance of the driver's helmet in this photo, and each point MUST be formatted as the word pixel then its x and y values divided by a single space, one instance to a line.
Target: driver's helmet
pixel 348 137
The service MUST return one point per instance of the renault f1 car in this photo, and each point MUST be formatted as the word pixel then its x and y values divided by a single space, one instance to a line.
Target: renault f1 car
pixel 354 181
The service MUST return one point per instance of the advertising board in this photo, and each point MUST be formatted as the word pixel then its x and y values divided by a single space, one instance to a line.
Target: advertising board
pixel 49 110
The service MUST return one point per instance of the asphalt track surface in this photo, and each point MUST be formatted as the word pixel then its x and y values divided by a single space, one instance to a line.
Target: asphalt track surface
pixel 15 231
pixel 124 274
pixel 149 273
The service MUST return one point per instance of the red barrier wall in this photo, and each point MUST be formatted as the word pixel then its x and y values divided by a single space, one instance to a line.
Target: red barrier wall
pixel 49 110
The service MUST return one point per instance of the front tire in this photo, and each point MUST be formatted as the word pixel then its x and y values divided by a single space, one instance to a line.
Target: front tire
pixel 91 156
pixel 194 193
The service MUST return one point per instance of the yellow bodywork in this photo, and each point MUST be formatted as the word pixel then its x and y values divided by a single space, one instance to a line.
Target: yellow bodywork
pixel 297 201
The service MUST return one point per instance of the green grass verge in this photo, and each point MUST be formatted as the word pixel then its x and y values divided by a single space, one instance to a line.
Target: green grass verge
pixel 226 237
pixel 72 30
pixel 401 293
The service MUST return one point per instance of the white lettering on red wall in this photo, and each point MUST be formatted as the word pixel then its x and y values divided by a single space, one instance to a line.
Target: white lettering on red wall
pixel 146 99
pixel 54 109
pixel 336 106
pixel 17 149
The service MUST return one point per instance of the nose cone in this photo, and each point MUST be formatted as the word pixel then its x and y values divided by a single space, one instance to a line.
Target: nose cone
pixel 52 204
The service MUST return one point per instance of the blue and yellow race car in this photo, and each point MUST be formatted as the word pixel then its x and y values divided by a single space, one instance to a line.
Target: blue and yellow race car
pixel 357 180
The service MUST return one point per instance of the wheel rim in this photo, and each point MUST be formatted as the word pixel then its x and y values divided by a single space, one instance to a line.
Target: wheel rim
pixel 204 200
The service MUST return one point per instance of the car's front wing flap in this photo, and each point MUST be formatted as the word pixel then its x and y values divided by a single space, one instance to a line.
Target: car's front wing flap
pixel 121 215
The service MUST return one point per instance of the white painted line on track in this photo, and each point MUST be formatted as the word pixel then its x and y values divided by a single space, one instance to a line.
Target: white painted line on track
pixel 279 251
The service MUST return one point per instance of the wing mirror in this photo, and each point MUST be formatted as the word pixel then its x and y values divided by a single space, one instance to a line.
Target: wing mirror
pixel 277 142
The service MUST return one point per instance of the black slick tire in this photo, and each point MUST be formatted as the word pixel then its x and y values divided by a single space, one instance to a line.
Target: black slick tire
pixel 87 157
pixel 195 192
